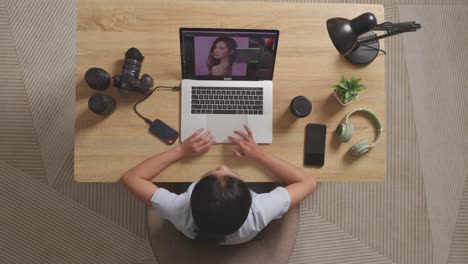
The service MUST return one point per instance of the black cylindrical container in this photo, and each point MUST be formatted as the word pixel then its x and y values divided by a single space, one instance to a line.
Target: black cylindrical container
pixel 97 78
pixel 101 104
pixel 300 106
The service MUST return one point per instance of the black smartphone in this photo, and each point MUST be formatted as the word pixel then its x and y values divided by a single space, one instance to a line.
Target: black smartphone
pixel 163 131
pixel 314 148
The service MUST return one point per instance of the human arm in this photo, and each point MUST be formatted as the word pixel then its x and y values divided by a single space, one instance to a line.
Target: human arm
pixel 138 179
pixel 299 183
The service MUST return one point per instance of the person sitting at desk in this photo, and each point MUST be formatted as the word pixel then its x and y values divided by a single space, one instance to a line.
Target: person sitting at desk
pixel 220 208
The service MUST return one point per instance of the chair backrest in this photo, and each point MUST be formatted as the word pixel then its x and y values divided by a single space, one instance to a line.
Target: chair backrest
pixel 273 245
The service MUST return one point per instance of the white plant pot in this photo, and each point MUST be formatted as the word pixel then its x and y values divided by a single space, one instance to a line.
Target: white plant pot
pixel 339 100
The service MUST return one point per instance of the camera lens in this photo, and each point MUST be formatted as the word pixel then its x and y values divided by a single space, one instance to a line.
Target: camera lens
pixel 300 106
pixel 134 54
pixel 97 79
pixel 133 61
pixel 101 104
pixel 128 80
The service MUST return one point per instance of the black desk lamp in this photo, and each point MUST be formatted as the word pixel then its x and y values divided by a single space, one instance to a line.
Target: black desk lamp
pixel 354 40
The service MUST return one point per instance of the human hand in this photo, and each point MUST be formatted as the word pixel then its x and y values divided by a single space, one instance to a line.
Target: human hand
pixel 247 148
pixel 196 144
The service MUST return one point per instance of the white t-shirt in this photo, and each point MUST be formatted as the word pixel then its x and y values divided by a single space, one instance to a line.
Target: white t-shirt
pixel 265 207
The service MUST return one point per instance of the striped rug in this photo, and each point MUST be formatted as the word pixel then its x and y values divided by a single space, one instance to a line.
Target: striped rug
pixel 419 214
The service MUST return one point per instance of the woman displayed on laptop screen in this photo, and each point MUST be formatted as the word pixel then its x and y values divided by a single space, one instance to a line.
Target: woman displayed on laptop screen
pixel 220 208
pixel 221 57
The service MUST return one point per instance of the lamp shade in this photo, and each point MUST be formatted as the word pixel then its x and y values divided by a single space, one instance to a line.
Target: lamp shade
pixel 344 33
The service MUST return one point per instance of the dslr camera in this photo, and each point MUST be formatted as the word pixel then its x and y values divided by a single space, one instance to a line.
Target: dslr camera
pixel 128 80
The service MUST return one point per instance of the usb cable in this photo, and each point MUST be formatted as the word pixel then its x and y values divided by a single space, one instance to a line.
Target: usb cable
pixel 149 122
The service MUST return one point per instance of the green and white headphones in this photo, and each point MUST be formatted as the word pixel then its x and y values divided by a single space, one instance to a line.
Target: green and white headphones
pixel 345 132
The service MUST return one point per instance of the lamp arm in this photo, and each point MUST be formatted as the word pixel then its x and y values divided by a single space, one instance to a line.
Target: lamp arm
pixel 392 29
pixel 402 26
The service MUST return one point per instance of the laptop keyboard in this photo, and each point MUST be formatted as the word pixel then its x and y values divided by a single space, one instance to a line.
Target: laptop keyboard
pixel 232 100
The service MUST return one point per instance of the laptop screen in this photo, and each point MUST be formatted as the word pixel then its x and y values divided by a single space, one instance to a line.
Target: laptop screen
pixel 219 54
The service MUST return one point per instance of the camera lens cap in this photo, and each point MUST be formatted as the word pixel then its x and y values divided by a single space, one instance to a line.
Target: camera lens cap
pixel 97 78
pixel 300 106
pixel 101 104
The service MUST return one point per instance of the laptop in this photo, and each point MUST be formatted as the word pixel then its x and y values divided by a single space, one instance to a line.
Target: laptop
pixel 227 81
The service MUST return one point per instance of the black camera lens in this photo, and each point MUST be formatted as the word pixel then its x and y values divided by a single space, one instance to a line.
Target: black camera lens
pixel 300 106
pixel 128 80
pixel 133 61
pixel 101 104
pixel 134 54
pixel 97 78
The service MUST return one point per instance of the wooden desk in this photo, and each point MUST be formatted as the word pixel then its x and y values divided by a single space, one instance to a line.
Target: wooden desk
pixel 307 64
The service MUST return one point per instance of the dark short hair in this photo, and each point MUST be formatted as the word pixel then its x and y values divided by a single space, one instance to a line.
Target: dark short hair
pixel 220 206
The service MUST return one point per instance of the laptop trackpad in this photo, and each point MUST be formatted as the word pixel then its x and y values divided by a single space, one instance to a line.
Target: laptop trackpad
pixel 222 126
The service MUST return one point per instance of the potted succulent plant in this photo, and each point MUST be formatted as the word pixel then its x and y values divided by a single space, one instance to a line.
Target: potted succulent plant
pixel 347 90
